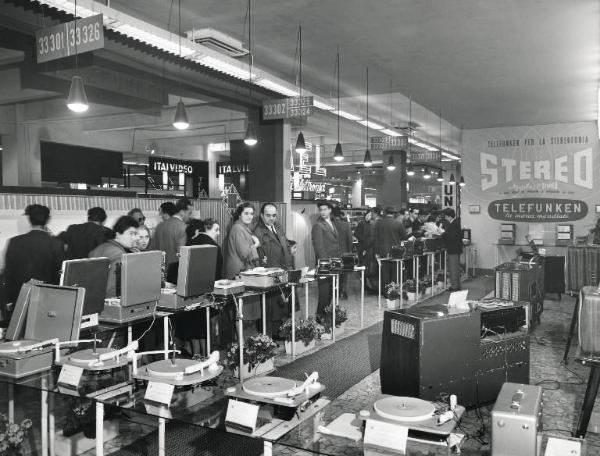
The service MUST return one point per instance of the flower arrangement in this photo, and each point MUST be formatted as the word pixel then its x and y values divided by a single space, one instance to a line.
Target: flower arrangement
pixel 439 276
pixel 307 330
pixel 12 435
pixel 410 286
pixel 392 291
pixel 426 282
pixel 341 315
pixel 257 350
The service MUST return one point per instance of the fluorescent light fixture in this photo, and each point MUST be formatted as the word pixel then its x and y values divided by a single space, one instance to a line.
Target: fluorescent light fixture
pixel 389 132
pixel 276 87
pixel 217 147
pixel 324 106
pixel 373 125
pixel 450 156
pixel 240 70
pixel 412 141
pixel 346 115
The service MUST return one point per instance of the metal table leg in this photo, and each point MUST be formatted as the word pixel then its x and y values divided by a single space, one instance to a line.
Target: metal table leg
pixel 432 271
pixel 208 332
pixel 166 336
pixel 268 449
pixel 161 437
pixel 362 298
pixel 264 313
pixel 306 300
pixel 401 282
pixel 51 424
pixel 588 401
pixel 99 429
pixel 417 280
pixel 240 317
pixel 293 320
pixel 571 330
pixel 336 299
pixel 11 402
pixel 379 292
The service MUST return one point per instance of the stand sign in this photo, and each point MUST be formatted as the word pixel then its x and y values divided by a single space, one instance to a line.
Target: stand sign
pixel 288 108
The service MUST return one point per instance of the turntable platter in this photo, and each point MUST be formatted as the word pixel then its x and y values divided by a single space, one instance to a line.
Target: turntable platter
pixel 169 369
pixel 404 409
pixel 13 346
pixel 268 387
pixel 86 357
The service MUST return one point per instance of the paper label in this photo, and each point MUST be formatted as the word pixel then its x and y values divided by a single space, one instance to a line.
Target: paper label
pixel 386 435
pixel 562 447
pixel 70 375
pixel 242 414
pixel 159 392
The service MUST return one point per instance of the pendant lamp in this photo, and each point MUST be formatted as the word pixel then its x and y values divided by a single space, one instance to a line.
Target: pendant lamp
pixel 426 174
pixel 410 171
pixel 391 166
pixel 250 138
pixel 367 160
pixel 181 119
pixel 338 155
pixel 462 182
pixel 300 144
pixel 77 101
pixel 440 177
pixel 452 180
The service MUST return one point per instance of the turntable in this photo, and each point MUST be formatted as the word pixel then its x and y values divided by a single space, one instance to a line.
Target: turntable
pixel 96 358
pixel 177 371
pixel 262 277
pixel 227 287
pixel 44 315
pixel 287 396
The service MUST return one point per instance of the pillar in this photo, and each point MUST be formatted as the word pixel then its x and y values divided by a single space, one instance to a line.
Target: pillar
pixel 21 163
pixel 393 188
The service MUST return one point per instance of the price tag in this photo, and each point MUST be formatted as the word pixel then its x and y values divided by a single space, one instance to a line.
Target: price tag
pixel 242 414
pixel 386 435
pixel 70 375
pixel 159 392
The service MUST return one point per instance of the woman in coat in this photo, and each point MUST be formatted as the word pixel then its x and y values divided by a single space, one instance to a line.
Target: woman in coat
pixel 241 243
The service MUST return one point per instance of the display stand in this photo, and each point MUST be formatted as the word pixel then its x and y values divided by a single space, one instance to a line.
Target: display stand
pixel 591 392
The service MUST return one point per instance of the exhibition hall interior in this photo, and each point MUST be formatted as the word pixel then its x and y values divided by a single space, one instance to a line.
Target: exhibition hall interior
pixel 341 227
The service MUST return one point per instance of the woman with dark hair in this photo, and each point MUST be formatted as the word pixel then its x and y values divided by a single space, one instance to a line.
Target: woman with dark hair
pixel 241 243
pixel 125 238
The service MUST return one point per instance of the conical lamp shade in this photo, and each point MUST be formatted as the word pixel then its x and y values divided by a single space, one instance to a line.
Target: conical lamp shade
pixel 452 180
pixel 250 139
pixel 426 174
pixel 410 171
pixel 300 144
pixel 462 182
pixel 338 155
pixel 440 177
pixel 181 120
pixel 367 160
pixel 391 166
pixel 77 101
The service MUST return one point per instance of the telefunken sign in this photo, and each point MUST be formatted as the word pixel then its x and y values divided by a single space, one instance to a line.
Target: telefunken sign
pixel 537 210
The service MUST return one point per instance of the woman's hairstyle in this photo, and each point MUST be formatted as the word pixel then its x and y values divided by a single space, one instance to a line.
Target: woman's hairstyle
pixel 193 226
pixel 240 209
pixel 123 223
pixel 209 223
pixel 144 227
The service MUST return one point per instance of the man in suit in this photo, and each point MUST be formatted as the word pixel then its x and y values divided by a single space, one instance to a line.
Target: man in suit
pixel 345 240
pixel 273 252
pixel 34 255
pixel 82 238
pixel 454 246
pixel 171 236
pixel 389 231
pixel 326 244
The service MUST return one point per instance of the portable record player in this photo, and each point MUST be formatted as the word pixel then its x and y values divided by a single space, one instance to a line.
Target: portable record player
pixel 262 277
pixel 349 261
pixel 324 266
pixel 285 395
pixel 177 371
pixel 195 277
pixel 138 288
pixel 96 358
pixel 44 315
pixel 228 287
pixel 432 244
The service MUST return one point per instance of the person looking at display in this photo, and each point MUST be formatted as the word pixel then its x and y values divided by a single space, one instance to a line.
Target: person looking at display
pixel 345 239
pixel 82 238
pixel 452 237
pixel 143 239
pixel 125 238
pixel 171 236
pixel 34 255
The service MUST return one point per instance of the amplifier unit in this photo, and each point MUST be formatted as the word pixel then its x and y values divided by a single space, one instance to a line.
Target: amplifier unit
pixel 502 320
pixel 517 420
pixel 521 282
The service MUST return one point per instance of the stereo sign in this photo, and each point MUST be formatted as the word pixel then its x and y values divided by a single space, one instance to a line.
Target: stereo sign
pixel 537 210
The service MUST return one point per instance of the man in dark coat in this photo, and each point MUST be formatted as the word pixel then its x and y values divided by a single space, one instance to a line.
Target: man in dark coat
pixel 345 239
pixel 34 255
pixel 389 232
pixel 273 252
pixel 170 235
pixel 454 246
pixel 81 239
pixel 325 240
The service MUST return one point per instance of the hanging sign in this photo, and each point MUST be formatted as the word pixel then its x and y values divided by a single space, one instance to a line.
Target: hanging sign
pixel 537 210
pixel 70 38
pixel 388 142
pixel 449 197
pixel 288 108
pixel 229 169
pixel 425 156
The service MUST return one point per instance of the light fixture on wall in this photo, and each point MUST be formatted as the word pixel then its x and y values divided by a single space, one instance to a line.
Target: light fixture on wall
pixel 300 144
pixel 410 171
pixel 250 138
pixel 440 176
pixel 77 101
pixel 181 119
pixel 462 182
pixel 452 181
pixel 367 161
pixel 391 166
pixel 426 174
pixel 338 154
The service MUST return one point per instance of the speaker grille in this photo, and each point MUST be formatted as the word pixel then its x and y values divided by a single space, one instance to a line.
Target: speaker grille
pixel 403 329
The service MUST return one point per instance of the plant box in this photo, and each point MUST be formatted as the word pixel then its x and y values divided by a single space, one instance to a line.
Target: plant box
pixel 78 443
pixel 299 347
pixel 428 290
pixel 440 285
pixel 392 303
pixel 411 296
pixel 339 330
pixel 262 369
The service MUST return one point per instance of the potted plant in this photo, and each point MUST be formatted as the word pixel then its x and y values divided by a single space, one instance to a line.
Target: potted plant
pixel 259 351
pixel 341 315
pixel 307 331
pixel 426 285
pixel 12 435
pixel 392 295
pixel 439 278
pixel 410 286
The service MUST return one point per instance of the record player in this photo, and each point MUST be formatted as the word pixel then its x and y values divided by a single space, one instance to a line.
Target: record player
pixel 285 396
pixel 95 359
pixel 44 315
pixel 138 288
pixel 402 251
pixel 195 277
pixel 432 244
pixel 227 287
pixel 262 277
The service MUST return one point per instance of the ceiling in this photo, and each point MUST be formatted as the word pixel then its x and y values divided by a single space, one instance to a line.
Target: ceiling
pixel 480 63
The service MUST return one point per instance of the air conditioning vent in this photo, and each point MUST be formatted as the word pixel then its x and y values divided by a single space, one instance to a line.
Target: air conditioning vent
pixel 218 41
